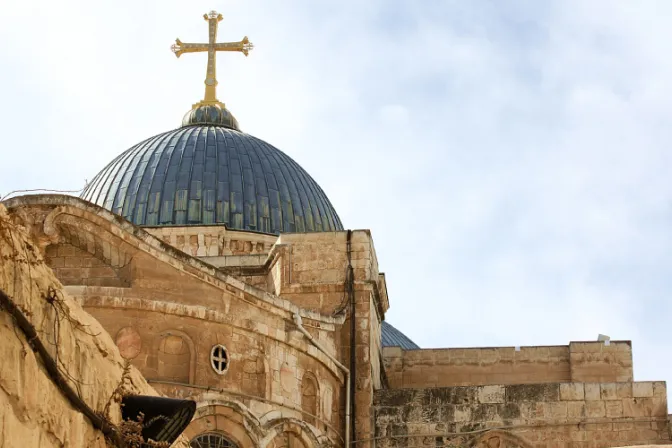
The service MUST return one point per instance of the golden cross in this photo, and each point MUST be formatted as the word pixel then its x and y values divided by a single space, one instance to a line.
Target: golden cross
pixel 212 47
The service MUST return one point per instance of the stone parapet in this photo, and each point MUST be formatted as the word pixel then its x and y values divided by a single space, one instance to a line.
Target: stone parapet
pixel 578 362
pixel 214 241
pixel 539 415
pixel 599 361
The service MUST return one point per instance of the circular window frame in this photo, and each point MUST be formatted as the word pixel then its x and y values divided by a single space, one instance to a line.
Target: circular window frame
pixel 216 369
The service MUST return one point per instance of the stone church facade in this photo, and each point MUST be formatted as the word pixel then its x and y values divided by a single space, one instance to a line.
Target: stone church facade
pixel 219 267
pixel 175 298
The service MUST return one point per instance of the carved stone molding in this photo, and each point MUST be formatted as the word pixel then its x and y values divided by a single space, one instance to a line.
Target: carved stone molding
pixel 500 439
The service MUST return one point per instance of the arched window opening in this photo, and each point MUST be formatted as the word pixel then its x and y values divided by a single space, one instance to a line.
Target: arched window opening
pixel 174 359
pixel 309 398
pixel 211 440
pixel 286 440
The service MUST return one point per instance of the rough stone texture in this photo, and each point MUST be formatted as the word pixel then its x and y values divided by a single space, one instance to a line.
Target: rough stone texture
pixel 577 362
pixel 647 446
pixel 215 242
pixel 168 297
pixel 599 362
pixel 539 415
pixel 75 266
pixel 33 411
pixel 172 308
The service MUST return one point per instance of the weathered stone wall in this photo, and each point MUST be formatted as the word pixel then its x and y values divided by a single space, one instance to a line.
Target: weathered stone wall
pixel 172 309
pixel 310 268
pixel 267 357
pixel 75 266
pixel 599 362
pixel 578 362
pixel 33 410
pixel 213 241
pixel 533 415
pixel 172 321
pixel 375 342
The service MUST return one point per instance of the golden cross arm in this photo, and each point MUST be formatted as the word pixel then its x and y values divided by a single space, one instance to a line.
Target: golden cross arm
pixel 212 47
pixel 244 46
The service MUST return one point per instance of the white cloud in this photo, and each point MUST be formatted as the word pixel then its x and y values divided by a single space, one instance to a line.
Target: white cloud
pixel 511 160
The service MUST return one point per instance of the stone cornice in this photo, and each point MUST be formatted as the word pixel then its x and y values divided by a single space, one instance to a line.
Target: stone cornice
pixel 79 213
pixel 111 297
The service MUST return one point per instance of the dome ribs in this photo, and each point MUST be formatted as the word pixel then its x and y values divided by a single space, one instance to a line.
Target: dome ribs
pixel 204 175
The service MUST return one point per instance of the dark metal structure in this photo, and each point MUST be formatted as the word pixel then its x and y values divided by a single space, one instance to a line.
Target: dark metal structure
pixel 164 419
pixel 395 338
pixel 204 174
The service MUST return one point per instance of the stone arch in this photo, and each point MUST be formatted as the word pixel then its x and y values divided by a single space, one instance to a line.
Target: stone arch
pixel 209 439
pixel 229 418
pixel 500 439
pixel 65 225
pixel 76 265
pixel 289 433
pixel 175 356
pixel 310 398
pixel 83 253
pixel 286 440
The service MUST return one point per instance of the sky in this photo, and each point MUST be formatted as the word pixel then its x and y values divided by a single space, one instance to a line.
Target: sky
pixel 511 158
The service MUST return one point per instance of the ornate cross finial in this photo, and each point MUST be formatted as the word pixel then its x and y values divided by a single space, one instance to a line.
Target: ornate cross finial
pixel 212 47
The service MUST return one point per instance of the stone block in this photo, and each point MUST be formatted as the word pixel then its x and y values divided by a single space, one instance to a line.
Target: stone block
pixel 66 250
pixel 448 413
pixel 488 355
pixel 585 347
pixel 443 355
pixel 614 408
pixel 571 391
pixel 72 262
pixel 659 407
pixel 642 389
pixel 577 437
pixel 556 411
pixel 509 411
pixel 56 262
pixel 462 413
pixel 608 391
pixel 647 434
pixel 637 407
pixel 624 390
pixel 576 409
pixel 595 409
pixel 388 415
pixel 659 389
pixel 598 427
pixel 532 410
pixel 395 397
pixel 592 391
pixel 491 394
pixel 533 392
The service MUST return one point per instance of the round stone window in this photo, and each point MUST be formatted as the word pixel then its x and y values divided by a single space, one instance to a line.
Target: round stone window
pixel 211 440
pixel 219 359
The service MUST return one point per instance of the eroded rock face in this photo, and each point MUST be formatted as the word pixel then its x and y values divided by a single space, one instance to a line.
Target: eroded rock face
pixel 33 411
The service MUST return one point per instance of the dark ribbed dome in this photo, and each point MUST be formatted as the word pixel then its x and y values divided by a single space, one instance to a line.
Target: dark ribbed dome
pixel 212 175
pixel 395 338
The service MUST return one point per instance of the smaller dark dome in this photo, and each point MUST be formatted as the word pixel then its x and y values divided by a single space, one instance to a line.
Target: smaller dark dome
pixel 211 114
pixel 395 338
